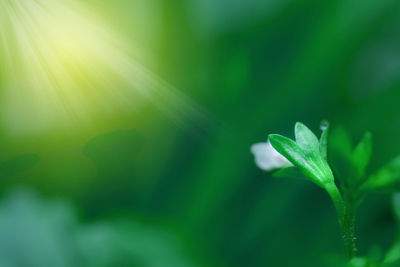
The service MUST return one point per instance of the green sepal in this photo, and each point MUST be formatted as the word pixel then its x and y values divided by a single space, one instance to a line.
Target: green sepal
pixel 305 154
pixel 309 157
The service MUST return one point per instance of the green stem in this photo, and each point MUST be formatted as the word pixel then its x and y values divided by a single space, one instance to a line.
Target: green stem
pixel 348 229
pixel 346 215
pixel 337 199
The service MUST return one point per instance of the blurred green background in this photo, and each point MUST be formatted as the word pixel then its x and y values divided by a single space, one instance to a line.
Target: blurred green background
pixel 139 189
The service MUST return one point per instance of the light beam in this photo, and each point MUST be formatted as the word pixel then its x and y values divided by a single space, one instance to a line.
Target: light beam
pixel 62 68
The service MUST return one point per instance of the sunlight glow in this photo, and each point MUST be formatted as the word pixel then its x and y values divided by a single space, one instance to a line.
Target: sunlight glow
pixel 63 68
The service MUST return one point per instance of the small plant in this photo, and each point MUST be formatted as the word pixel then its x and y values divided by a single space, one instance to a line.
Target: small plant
pixel 343 176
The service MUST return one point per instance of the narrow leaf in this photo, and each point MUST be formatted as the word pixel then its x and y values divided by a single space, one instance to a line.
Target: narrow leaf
pixel 388 175
pixel 362 153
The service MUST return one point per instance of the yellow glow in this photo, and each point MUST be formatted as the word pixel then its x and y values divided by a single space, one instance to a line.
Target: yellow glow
pixel 62 68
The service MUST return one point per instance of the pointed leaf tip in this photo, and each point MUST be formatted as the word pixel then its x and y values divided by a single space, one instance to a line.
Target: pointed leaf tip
pixel 306 139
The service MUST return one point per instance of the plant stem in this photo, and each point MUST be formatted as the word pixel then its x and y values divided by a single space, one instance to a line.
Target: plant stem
pixel 346 215
pixel 348 229
pixel 337 199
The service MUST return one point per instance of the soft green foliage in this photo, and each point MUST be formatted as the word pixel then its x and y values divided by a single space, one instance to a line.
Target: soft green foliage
pixel 50 234
pixel 18 164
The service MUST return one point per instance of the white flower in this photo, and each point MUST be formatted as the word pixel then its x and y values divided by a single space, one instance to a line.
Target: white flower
pixel 267 158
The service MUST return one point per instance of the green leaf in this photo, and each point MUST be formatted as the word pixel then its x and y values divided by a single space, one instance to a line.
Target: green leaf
pixel 387 176
pixel 287 148
pixel 291 151
pixel 362 153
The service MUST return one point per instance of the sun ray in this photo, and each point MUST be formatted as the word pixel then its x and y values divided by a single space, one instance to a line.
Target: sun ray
pixel 62 68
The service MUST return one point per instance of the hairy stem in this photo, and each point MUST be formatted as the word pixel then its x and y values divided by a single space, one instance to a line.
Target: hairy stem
pixel 348 230
pixel 346 215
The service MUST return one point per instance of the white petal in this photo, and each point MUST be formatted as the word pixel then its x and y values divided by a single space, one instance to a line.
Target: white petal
pixel 267 158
